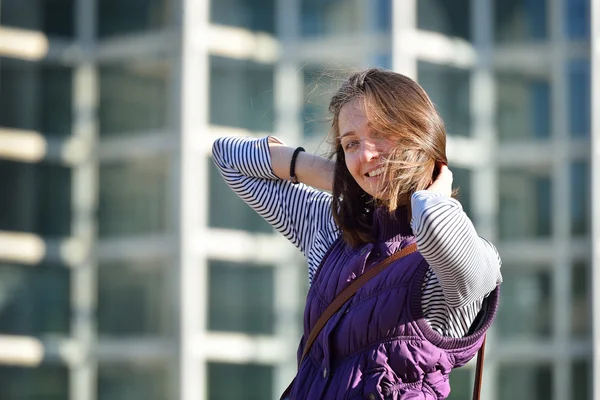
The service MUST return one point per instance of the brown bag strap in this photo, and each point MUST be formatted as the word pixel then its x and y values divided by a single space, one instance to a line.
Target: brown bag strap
pixel 479 372
pixel 347 294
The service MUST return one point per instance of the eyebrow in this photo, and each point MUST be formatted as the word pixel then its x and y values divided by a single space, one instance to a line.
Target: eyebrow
pixel 346 134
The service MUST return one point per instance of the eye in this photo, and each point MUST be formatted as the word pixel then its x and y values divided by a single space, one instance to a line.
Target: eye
pixel 350 144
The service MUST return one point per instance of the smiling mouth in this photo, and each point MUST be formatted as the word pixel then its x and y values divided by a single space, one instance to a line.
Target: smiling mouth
pixel 374 173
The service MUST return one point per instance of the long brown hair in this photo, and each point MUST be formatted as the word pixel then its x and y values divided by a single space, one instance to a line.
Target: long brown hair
pixel 397 107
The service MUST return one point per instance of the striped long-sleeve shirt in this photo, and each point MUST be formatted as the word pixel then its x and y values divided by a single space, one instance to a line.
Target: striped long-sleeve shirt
pixel 463 267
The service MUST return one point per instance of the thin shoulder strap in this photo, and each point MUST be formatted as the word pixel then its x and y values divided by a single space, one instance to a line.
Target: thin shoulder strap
pixel 347 294
pixel 479 372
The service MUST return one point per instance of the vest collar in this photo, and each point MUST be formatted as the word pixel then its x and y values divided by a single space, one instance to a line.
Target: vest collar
pixel 391 226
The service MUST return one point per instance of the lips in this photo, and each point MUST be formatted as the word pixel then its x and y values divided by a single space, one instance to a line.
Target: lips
pixel 375 172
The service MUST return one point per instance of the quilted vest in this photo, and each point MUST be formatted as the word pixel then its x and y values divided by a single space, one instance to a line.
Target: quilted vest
pixel 379 345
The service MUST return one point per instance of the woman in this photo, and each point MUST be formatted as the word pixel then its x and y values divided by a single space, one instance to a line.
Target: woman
pixel 408 327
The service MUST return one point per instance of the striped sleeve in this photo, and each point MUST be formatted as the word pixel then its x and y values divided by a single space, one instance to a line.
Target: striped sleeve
pixel 466 265
pixel 299 212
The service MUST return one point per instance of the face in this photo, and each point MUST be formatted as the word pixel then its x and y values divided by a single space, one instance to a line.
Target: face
pixel 365 150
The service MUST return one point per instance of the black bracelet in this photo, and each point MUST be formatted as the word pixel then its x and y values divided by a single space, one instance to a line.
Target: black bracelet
pixel 293 176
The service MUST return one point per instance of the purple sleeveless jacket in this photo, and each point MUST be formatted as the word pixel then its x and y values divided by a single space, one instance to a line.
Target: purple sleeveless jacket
pixel 379 345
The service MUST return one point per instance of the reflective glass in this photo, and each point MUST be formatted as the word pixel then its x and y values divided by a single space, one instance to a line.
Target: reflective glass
pixel 319 87
pixel 133 299
pixel 134 97
pixel 579 98
pixel 581 210
pixel 133 197
pixel 581 378
pixel 241 298
pixel 461 380
pixel 581 315
pixel 48 382
pixel 36 97
pixel 117 17
pixel 523 107
pixel 525 203
pixel 578 18
pixel 239 381
pixel 526 308
pixel 34 301
pixel 520 20
pixel 227 210
pixel 135 381
pixel 450 17
pixel 383 16
pixel 39 200
pixel 331 17
pixel 449 89
pixel 462 182
pixel 524 382
pixel 53 17
pixel 255 15
pixel 241 94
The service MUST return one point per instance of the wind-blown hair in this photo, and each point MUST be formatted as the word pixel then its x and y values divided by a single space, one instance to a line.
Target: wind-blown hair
pixel 398 108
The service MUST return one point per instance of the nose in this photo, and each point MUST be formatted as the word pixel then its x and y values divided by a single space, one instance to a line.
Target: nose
pixel 368 151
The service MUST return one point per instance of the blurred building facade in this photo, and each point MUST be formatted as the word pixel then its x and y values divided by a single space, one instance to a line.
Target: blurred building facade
pixel 128 270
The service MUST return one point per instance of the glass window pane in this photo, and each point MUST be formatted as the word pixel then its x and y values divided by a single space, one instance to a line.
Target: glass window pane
pixel 34 300
pixel 578 18
pixel 579 98
pixel 449 89
pixel 133 197
pixel 133 299
pixel 462 182
pixel 523 107
pixel 116 17
pixel 383 17
pixel 134 97
pixel 227 210
pixel 137 381
pixel 461 381
pixel 48 382
pixel 255 15
pixel 332 17
pixel 53 17
pixel 581 379
pixel 36 97
pixel 241 94
pixel 234 382
pixel 452 18
pixel 525 382
pixel 581 301
pixel 241 298
pixel 526 308
pixel 319 87
pixel 520 20
pixel 525 203
pixel 580 198
pixel 40 198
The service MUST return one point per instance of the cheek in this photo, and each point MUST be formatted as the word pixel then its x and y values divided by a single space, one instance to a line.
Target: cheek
pixel 351 164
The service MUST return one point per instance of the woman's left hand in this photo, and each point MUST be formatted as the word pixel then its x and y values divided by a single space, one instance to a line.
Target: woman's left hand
pixel 443 182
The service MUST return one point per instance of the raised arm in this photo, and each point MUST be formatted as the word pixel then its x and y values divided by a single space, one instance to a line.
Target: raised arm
pixel 259 177
pixel 466 265
pixel 310 169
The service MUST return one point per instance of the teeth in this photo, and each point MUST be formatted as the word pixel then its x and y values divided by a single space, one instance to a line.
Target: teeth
pixel 376 172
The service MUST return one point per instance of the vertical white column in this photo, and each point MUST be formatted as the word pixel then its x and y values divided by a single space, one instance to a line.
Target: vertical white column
pixel 595 192
pixel 561 226
pixel 84 201
pixel 288 125
pixel 191 169
pixel 485 177
pixel 404 25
